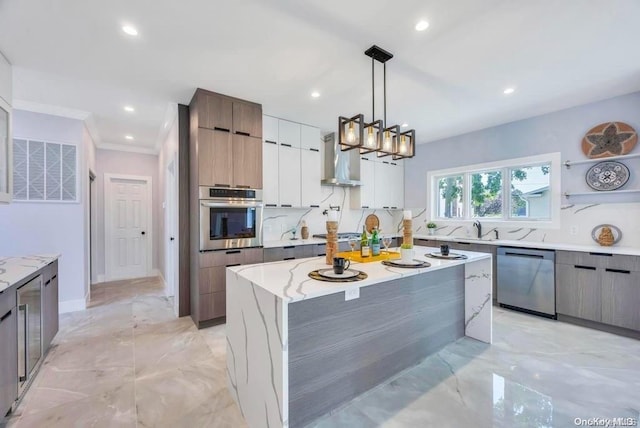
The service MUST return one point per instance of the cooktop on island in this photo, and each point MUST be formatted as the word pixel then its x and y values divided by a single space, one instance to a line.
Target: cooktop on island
pixel 341 235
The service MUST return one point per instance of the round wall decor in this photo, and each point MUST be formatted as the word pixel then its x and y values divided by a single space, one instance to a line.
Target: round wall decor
pixel 609 139
pixel 607 175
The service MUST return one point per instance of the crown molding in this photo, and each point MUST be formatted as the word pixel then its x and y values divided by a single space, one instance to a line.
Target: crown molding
pixel 50 109
pixel 127 148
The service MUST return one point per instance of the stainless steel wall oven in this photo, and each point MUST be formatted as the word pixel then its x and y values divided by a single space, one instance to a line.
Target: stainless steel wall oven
pixel 230 218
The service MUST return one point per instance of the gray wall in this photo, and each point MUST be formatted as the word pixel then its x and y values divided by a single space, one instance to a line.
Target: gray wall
pixel 561 131
pixel 50 227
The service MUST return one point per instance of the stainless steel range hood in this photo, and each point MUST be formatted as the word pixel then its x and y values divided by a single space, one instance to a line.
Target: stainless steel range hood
pixel 337 164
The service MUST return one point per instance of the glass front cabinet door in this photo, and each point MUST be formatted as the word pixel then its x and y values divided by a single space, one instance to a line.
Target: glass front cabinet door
pixel 5 152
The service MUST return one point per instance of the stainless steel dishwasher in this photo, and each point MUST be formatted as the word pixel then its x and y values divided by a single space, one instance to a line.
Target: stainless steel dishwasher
pixel 526 280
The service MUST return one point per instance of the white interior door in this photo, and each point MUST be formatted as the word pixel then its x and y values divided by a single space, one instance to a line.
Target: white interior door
pixel 128 226
pixel 171 218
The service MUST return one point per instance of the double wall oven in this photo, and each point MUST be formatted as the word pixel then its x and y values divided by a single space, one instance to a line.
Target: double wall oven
pixel 230 218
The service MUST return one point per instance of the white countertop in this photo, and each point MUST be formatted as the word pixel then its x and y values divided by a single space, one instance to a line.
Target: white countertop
pixel 629 251
pixel 294 243
pixel 15 269
pixel 289 279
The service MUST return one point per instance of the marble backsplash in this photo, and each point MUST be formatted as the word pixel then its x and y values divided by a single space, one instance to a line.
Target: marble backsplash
pixel 577 222
pixel 277 221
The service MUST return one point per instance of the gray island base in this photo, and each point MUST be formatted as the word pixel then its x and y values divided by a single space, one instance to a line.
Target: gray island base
pixel 298 348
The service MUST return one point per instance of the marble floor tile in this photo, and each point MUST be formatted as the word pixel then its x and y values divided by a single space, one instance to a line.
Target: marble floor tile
pixel 128 361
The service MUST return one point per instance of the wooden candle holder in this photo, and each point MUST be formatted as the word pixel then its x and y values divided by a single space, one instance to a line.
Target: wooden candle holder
pixel 407 232
pixel 332 241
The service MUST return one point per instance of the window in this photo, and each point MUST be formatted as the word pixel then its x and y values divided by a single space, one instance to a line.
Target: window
pixel 517 190
pixel 44 171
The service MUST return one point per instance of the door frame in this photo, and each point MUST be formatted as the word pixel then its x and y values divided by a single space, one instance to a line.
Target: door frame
pixel 108 177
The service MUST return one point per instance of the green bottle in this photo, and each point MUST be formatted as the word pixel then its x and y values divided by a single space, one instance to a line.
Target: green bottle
pixel 364 244
pixel 375 243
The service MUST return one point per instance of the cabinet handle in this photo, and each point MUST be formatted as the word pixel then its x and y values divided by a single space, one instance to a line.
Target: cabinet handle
pixel 245 134
pixel 364 159
pixel 289 247
pixel 289 258
pixel 385 162
pixel 314 206
pixel 221 185
pixel 584 267
pixel 285 205
pixel 234 252
pixel 394 208
pixel 5 316
pixel 235 264
pixel 365 206
pixel 531 256
pixel 215 128
pixel 469 243
pixel 628 272
pixel 601 254
pixel 47 283
pixel 321 255
pixel 270 142
pixel 285 145
pixel 54 277
pixel 386 208
pixel 314 150
pixel 393 163
pixel 243 186
pixel 270 205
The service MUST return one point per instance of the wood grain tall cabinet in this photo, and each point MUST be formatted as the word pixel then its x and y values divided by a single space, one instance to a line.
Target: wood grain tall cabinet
pixel 225 150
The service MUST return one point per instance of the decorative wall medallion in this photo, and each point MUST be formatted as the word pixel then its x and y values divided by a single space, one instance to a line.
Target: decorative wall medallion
pixel 607 175
pixel 372 222
pixel 609 139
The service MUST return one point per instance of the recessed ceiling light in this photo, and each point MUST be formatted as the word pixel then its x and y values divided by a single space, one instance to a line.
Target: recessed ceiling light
pixel 128 137
pixel 509 91
pixel 404 125
pixel 422 25
pixel 315 94
pixel 130 30
pixel 129 109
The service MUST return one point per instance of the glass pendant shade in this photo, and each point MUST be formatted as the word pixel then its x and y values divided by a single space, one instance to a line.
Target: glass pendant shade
pixel 372 137
pixel 389 142
pixel 406 145
pixel 351 135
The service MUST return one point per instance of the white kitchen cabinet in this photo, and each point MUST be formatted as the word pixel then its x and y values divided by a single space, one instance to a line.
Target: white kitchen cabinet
pixel 311 191
pixel 396 179
pixel 364 196
pixel 309 138
pixel 270 188
pixel 289 133
pixel 383 187
pixel 270 129
pixel 289 175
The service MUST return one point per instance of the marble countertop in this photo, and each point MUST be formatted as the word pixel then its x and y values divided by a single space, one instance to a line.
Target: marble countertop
pixel 629 251
pixel 15 269
pixel 289 279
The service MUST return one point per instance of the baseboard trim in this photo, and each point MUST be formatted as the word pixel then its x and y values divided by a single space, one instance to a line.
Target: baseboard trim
pixel 72 305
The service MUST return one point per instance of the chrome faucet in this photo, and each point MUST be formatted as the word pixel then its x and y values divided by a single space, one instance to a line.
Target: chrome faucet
pixel 479 226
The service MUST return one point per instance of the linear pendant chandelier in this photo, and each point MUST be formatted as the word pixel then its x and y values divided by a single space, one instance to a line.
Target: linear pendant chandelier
pixel 376 136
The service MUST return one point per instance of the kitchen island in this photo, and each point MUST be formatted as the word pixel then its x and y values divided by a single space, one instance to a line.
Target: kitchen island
pixel 298 348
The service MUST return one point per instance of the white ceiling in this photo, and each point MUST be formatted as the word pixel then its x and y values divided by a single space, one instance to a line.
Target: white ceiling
pixel 444 81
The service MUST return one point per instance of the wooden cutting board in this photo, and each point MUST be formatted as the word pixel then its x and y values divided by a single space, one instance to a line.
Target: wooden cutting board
pixel 372 222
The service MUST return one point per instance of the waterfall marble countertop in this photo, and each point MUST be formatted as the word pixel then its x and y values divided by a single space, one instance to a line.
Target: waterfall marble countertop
pixel 289 279
pixel 628 251
pixel 15 269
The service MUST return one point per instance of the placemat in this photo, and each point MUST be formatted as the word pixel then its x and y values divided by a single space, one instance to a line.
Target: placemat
pixel 451 256
pixel 315 275
pixel 397 265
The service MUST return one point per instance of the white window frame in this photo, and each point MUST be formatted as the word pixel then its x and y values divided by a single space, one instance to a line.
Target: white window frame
pixel 553 159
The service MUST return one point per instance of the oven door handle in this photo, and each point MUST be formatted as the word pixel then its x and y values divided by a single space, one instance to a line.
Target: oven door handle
pixel 230 205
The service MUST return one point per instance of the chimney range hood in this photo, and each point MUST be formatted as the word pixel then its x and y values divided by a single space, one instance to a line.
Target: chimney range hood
pixel 337 164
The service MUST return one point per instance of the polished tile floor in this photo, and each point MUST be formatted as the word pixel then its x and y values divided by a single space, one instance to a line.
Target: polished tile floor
pixel 127 361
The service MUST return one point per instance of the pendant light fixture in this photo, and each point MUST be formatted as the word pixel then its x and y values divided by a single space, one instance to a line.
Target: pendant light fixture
pixel 376 136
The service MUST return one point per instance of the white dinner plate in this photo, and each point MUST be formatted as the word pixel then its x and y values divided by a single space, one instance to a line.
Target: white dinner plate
pixel 329 273
pixel 413 262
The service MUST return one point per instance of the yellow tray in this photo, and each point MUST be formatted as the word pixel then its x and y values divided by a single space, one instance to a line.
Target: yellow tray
pixel 355 256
